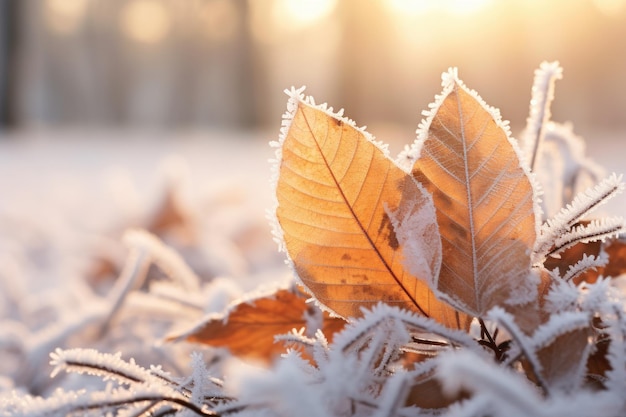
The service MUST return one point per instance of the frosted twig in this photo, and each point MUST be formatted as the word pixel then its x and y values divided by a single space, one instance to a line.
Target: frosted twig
pixel 592 232
pixel 583 204
pixel 132 276
pixel 167 259
pixel 506 320
pixel 585 264
pixel 539 113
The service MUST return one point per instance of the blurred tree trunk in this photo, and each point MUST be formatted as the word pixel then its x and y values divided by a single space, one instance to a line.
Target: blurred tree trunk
pixel 8 46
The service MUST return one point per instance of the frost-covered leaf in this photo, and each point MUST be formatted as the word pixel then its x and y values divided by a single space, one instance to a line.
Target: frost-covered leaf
pixel 563 347
pixel 528 316
pixel 616 251
pixel 426 391
pixel 484 198
pixel 339 196
pixel 249 326
pixel 495 390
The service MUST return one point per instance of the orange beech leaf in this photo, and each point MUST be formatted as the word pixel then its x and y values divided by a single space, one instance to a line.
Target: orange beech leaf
pixel 616 250
pixel 339 198
pixel 484 199
pixel 427 392
pixel 530 315
pixel 563 360
pixel 248 328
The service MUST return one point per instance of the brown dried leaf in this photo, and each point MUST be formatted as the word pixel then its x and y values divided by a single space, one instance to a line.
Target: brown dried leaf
pixel 529 316
pixel 336 192
pixel 249 326
pixel 572 255
pixel 616 250
pixel 484 201
pixel 562 359
pixel 598 363
pixel 427 392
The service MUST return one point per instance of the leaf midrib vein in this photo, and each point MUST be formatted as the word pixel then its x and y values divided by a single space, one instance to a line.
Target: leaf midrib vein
pixel 358 222
pixel 470 206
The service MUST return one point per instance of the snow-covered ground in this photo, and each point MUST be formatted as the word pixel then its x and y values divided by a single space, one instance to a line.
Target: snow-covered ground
pixel 66 198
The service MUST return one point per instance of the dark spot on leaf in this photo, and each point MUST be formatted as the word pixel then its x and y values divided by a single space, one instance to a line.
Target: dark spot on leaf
pixel 385 225
pixel 346 257
pixel 337 121
pixel 361 276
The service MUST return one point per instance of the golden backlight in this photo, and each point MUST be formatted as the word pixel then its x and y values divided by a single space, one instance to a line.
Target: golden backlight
pixel 64 16
pixel 417 7
pixel 145 21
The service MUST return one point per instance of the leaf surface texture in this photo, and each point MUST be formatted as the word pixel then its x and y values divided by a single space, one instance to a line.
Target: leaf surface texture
pixel 249 326
pixel 484 202
pixel 336 192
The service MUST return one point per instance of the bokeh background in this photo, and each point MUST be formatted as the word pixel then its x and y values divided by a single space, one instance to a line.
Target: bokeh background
pixel 156 114
pixel 169 64
pixel 112 109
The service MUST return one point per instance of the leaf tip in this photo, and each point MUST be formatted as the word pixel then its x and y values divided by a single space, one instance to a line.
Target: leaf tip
pixel 450 78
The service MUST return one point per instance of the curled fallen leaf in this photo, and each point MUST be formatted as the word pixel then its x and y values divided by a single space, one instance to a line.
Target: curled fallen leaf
pixel 248 326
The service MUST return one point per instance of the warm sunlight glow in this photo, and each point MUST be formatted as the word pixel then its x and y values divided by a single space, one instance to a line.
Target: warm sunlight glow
pixel 65 16
pixel 220 20
pixel 145 21
pixel 301 13
pixel 269 24
pixel 612 8
pixel 410 7
pixel 417 7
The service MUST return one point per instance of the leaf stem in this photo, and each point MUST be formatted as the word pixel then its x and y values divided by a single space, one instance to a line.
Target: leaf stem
pixel 498 350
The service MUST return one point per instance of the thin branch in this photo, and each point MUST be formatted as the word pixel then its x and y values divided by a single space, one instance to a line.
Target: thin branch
pixel 155 399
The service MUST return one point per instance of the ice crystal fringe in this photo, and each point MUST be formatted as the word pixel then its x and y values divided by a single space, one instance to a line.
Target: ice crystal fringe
pixel 383 315
pixel 583 204
pixel 296 337
pixel 594 231
pixel 562 296
pixel 449 81
pixel 146 392
pixel 539 114
pixel 525 345
pixel 168 260
pixel 107 366
pixel 504 392
pixel 558 325
pixel 117 402
pixel 586 263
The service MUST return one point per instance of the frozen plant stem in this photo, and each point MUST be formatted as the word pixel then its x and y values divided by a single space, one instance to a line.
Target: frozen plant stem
pixel 132 276
pixel 542 96
pixel 154 400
